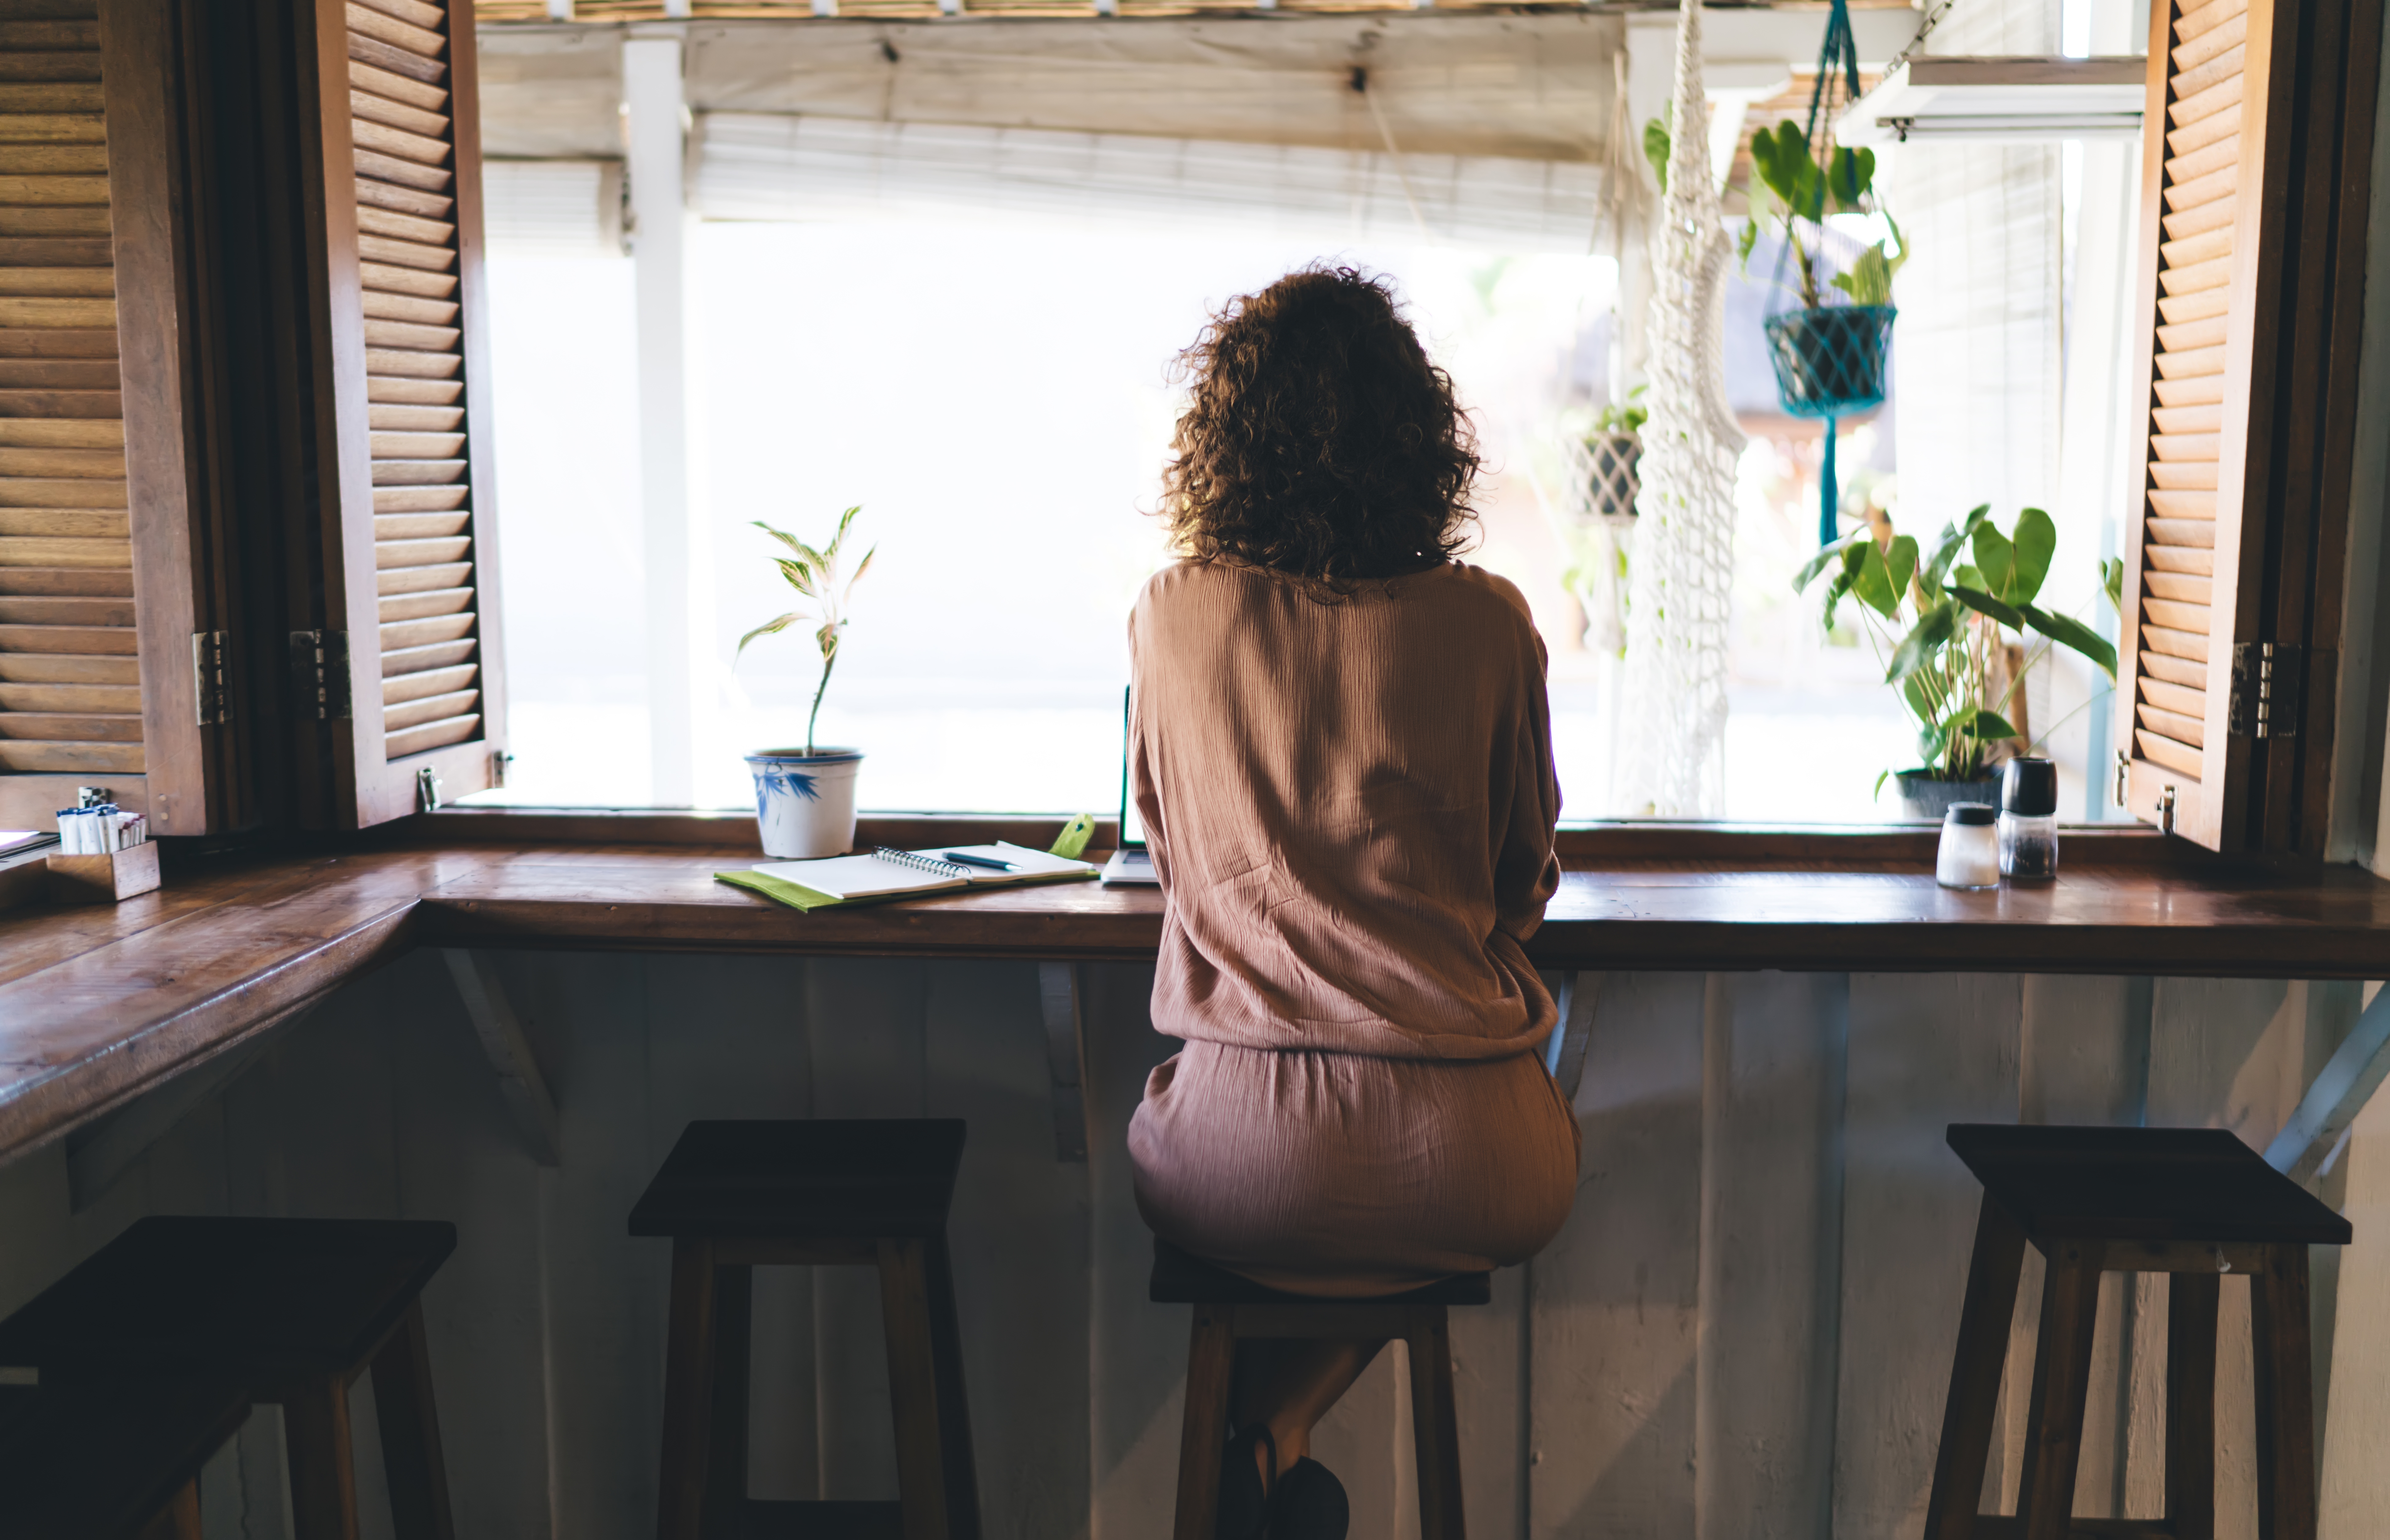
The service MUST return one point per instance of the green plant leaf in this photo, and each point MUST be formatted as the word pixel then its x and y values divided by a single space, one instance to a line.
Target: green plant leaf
pixel 1872 581
pixel 1816 564
pixel 1995 558
pixel 1893 266
pixel 1983 724
pixel 1967 575
pixel 800 576
pixel 2112 579
pixel 1983 604
pixel 1925 641
pixel 1657 144
pixel 862 567
pixel 1912 690
pixel 1947 546
pixel 2069 632
pixel 1749 237
pixel 1900 561
pixel 1848 176
pixel 769 628
pixel 2036 541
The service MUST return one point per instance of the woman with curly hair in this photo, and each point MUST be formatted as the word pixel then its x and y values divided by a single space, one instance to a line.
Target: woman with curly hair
pixel 1341 748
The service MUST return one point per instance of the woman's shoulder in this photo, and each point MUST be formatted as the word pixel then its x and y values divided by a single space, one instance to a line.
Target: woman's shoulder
pixel 1474 591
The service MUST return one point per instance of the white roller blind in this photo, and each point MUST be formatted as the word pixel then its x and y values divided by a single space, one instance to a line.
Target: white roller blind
pixel 775 166
pixel 553 208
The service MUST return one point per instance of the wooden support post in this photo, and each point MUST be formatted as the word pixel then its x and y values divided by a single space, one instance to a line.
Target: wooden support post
pixel 2341 1088
pixel 1066 1056
pixel 1564 1052
pixel 500 1029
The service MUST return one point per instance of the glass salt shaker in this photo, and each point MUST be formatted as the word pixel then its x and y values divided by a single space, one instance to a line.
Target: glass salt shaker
pixel 2029 820
pixel 1970 856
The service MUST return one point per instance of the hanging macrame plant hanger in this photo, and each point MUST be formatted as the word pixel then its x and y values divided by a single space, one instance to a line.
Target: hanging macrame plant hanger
pixel 1829 360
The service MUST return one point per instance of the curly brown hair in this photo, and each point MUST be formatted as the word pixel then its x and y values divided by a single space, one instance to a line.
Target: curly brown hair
pixel 1321 442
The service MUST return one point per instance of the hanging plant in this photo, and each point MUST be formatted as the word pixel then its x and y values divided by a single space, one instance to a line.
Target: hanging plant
pixel 1828 356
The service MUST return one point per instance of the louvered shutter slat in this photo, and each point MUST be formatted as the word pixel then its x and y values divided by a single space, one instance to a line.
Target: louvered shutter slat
pixel 409 243
pixel 70 674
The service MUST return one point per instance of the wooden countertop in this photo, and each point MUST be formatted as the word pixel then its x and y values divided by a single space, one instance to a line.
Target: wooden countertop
pixel 99 1003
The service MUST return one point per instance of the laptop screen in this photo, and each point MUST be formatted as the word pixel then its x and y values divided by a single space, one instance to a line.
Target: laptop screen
pixel 1132 835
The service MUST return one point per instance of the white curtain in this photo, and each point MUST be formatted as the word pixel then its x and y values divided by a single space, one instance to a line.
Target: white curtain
pixel 777 166
pixel 1977 350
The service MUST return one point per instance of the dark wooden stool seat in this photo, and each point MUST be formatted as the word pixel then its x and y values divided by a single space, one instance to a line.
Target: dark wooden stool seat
pixel 111 1460
pixel 734 1196
pixel 290 1311
pixel 1229 1307
pixel 2193 1204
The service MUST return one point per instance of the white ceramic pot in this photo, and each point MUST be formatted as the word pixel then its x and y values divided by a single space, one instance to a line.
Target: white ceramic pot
pixel 805 803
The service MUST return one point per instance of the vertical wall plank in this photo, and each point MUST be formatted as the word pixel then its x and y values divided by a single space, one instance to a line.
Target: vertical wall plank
pixel 1136 1350
pixel 1926 1051
pixel 459 1157
pixel 865 1017
pixel 1489 1390
pixel 2355 1478
pixel 1019 1235
pixel 588 1019
pixel 1772 1078
pixel 2085 1060
pixel 730 1043
pixel 1613 1302
pixel 2225 1053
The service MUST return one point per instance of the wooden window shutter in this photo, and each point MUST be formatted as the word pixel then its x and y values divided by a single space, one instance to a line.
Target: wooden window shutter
pixel 2257 153
pixel 113 668
pixel 402 400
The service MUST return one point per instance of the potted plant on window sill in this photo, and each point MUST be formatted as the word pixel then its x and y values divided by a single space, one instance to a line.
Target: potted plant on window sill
pixel 804 798
pixel 1938 623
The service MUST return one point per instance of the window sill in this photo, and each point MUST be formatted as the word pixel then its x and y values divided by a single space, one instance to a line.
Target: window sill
pixel 1705 846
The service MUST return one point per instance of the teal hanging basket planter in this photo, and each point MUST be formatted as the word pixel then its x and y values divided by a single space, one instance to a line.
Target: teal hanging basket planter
pixel 1829 363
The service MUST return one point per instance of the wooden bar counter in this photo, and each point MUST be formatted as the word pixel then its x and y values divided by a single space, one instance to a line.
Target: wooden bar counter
pixel 99 1003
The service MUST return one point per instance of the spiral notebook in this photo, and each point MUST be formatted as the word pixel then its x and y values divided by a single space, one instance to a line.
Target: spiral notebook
pixel 884 874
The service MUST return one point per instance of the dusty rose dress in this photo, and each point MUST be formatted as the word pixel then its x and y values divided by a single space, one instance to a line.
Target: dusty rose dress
pixel 1350 805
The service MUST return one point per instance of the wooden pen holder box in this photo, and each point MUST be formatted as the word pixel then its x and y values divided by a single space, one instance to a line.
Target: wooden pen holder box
pixel 118 874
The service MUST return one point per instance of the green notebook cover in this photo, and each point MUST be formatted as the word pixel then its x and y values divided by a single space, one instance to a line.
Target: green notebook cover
pixel 796 896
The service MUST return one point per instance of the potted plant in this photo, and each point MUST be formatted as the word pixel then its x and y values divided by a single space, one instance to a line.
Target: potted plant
pixel 1829 358
pixel 1613 452
pixel 804 798
pixel 1941 625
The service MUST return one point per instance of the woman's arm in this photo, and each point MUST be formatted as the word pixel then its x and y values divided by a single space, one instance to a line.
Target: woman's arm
pixel 1526 801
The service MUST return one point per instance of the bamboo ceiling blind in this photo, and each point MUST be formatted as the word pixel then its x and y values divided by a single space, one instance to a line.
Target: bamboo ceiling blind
pixel 69 675
pixel 2195 256
pixel 408 260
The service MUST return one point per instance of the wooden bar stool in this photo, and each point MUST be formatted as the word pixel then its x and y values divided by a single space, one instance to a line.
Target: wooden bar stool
pixel 290 1311
pixel 1230 1309
pixel 736 1196
pixel 2193 1204
pixel 111 1460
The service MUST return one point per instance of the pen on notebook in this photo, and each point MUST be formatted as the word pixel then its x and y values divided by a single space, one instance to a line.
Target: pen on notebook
pixel 964 859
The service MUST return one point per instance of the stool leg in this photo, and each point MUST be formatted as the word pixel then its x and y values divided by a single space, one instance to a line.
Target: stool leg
pixel 2190 1404
pixel 1975 1375
pixel 2062 1383
pixel 688 1393
pixel 934 1473
pixel 1203 1433
pixel 2286 1472
pixel 1435 1430
pixel 725 1470
pixel 410 1433
pixel 316 1439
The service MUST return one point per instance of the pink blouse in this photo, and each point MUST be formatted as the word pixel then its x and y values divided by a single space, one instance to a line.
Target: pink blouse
pixel 1350 804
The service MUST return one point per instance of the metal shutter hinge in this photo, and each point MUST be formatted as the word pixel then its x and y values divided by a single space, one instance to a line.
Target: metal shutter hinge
pixel 207 691
pixel 2265 700
pixel 426 789
pixel 319 673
